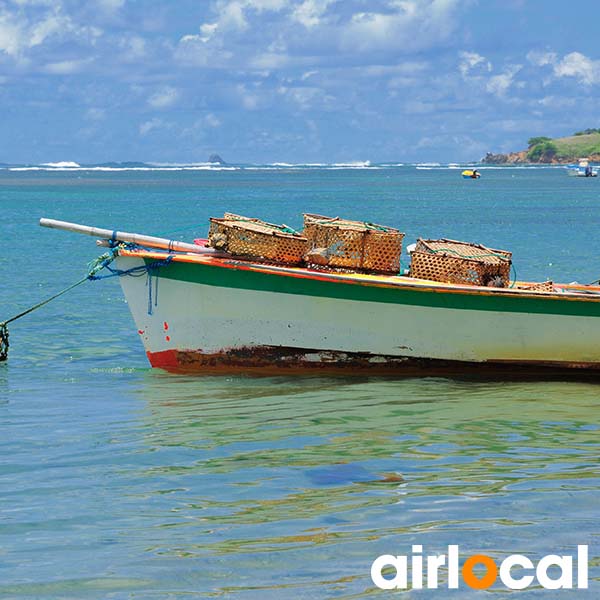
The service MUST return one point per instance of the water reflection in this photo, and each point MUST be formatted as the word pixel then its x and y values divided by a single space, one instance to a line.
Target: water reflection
pixel 305 479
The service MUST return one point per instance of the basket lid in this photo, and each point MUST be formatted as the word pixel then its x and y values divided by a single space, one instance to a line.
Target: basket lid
pixel 256 225
pixel 465 250
pixel 339 223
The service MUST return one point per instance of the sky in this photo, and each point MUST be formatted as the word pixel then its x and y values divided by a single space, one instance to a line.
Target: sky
pixel 261 81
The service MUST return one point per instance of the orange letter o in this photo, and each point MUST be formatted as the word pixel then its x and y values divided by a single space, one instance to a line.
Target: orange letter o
pixel 487 580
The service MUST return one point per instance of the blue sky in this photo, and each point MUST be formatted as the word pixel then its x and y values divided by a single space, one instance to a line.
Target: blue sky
pixel 292 80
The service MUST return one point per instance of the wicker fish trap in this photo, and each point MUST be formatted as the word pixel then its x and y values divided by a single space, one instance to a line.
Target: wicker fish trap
pixel 450 261
pixel 340 243
pixel 543 286
pixel 256 239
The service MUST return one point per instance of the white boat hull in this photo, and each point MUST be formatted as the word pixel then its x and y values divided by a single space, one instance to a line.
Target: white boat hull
pixel 205 326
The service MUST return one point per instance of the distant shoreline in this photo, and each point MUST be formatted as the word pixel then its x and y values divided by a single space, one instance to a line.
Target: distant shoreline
pixel 519 158
pixel 553 151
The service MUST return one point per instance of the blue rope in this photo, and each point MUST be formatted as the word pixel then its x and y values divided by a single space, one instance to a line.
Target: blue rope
pixel 102 262
pixel 133 272
pixel 149 270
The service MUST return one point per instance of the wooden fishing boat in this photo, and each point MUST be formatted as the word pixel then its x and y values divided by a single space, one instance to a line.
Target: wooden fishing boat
pixel 216 315
pixel 207 313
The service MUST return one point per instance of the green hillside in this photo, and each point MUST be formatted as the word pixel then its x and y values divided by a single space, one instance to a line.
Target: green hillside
pixel 577 146
pixel 580 145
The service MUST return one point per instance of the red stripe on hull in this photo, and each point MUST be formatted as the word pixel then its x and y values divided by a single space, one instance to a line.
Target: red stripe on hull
pixel 275 360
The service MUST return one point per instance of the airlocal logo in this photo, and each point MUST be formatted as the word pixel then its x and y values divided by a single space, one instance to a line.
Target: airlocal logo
pixel 485 565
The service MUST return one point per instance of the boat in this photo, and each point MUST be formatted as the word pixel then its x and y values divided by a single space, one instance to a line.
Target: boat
pixel 471 174
pixel 205 312
pixel 582 169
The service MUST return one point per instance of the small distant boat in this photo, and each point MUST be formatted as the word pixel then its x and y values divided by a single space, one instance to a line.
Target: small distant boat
pixel 582 169
pixel 471 174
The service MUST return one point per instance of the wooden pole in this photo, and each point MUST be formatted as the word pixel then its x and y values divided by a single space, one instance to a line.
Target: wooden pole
pixel 133 238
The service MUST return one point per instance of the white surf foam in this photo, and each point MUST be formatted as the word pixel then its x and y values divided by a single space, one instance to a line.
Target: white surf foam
pixel 123 169
pixel 62 164
pixel 353 165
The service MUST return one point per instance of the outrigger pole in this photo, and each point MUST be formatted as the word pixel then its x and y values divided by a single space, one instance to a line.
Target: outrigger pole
pixel 108 238
pixel 133 238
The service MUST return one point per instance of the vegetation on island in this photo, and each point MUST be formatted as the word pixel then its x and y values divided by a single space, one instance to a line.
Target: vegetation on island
pixel 542 149
pixel 587 132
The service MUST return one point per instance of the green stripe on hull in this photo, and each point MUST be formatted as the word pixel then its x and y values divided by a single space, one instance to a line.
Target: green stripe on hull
pixel 284 284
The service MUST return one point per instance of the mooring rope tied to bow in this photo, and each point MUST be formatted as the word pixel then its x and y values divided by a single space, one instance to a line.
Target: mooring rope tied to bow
pixel 94 267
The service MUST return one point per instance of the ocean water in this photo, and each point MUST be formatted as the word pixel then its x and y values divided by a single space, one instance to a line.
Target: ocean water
pixel 119 481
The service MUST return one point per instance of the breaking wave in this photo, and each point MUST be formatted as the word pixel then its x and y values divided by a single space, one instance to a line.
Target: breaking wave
pixel 115 167
pixel 65 163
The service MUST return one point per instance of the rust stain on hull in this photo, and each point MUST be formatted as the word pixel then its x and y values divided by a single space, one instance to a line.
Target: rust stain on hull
pixel 279 360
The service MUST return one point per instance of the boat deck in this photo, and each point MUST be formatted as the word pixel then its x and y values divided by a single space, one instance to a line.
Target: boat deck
pixel 575 290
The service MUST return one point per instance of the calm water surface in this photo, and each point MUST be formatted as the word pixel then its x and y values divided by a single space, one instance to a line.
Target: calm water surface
pixel 117 481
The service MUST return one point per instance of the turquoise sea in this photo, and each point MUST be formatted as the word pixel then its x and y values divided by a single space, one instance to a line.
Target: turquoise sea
pixel 118 481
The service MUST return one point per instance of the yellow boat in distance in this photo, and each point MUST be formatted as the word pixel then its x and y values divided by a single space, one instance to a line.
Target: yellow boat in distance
pixel 471 174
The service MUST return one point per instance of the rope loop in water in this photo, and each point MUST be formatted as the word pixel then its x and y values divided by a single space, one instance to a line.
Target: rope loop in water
pixel 3 342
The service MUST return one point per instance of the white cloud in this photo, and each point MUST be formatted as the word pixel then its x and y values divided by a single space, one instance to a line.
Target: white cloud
pixel 556 102
pixel 211 120
pixel 541 59
pixel 405 24
pixel 12 35
pixel 310 12
pixel 579 66
pixel 207 30
pixel 66 67
pixel 164 98
pixel 235 35
pixel 472 61
pixel 194 50
pixel 500 84
pixel 249 100
pixel 148 126
pixel 19 33
pixel 270 60
pixel 200 126
pixel 133 46
pixel 308 74
pixel 231 16
pixel 52 25
pixel 306 97
pixel 575 64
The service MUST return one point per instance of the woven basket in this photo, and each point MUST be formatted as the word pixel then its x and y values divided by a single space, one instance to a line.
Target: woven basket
pixel 256 239
pixel 339 243
pixel 450 261
pixel 543 286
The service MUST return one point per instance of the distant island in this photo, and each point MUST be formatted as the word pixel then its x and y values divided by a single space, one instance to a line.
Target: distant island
pixel 582 144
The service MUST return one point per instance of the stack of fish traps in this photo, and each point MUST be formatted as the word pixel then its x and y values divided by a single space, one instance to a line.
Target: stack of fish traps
pixel 336 243
pixel 252 238
pixel 450 261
